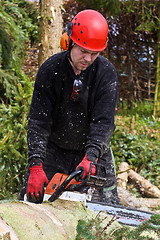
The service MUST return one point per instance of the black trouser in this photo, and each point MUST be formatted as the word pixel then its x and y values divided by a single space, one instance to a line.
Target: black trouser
pixel 109 192
pixel 65 161
pixel 60 160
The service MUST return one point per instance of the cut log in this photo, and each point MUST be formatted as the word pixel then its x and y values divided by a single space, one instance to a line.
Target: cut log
pixel 126 174
pixel 4 234
pixel 130 200
pixel 145 187
pixel 6 231
pixel 51 221
pixel 122 175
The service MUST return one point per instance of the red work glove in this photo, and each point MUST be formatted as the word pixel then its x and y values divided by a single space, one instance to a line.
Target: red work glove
pixel 36 183
pixel 85 166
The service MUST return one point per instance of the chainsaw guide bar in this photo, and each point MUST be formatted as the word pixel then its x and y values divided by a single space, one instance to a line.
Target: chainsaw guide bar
pixel 67 188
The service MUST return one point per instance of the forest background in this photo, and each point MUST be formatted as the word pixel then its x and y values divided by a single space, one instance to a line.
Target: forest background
pixel 133 48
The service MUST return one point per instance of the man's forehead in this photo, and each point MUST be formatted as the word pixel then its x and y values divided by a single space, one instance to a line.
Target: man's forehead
pixel 85 50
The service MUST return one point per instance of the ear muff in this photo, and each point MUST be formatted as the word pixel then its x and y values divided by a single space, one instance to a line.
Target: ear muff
pixel 65 41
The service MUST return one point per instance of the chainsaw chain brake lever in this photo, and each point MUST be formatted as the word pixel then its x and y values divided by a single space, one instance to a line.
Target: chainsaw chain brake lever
pixel 97 181
pixel 62 187
pixel 91 180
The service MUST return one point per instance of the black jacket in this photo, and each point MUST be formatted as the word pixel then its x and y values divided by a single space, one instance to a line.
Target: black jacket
pixel 86 124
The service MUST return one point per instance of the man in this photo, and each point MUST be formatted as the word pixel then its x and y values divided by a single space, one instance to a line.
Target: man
pixel 71 117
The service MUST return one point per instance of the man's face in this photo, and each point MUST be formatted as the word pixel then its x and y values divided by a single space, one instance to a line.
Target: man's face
pixel 82 58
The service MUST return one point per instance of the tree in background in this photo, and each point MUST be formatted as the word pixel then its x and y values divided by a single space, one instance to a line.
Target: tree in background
pixel 50 28
pixel 132 46
pixel 148 23
pixel 157 90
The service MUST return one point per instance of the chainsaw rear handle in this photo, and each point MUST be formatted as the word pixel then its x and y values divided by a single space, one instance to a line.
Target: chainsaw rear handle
pixel 62 187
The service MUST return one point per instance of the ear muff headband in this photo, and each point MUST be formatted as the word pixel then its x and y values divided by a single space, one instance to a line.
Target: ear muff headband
pixel 66 40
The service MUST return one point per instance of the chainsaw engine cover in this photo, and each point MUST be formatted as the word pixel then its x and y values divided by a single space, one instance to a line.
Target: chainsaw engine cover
pixel 57 181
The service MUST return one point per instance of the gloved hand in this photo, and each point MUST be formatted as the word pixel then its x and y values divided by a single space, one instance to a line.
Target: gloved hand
pixel 85 167
pixel 36 183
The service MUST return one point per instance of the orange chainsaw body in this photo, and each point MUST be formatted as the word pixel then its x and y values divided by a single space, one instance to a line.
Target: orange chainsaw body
pixel 62 182
pixel 56 181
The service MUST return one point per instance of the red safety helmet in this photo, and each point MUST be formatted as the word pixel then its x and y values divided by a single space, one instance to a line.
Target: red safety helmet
pixel 89 30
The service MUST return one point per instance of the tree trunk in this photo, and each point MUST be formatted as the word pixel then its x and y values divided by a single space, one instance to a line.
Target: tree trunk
pixel 156 111
pixel 130 75
pixel 51 25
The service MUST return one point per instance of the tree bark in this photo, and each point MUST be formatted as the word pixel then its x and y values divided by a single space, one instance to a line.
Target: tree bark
pixel 51 25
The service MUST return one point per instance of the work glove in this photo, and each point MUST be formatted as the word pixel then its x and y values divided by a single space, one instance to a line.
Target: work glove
pixel 36 183
pixel 85 167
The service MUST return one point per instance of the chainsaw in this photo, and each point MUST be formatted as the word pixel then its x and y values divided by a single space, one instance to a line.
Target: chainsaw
pixel 63 182
pixel 66 187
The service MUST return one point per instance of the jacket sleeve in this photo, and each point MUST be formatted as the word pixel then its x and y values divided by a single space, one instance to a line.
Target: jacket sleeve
pixel 102 115
pixel 40 116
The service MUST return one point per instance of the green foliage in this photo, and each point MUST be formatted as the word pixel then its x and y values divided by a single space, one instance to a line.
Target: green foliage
pixel 111 7
pixel 16 27
pixel 18 24
pixel 93 229
pixel 8 84
pixel 150 230
pixel 11 39
pixel 136 141
pixel 147 19
pixel 13 146
pixel 143 109
pixel 25 15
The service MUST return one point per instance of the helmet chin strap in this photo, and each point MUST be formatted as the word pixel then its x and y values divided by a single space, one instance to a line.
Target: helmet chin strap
pixel 71 45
